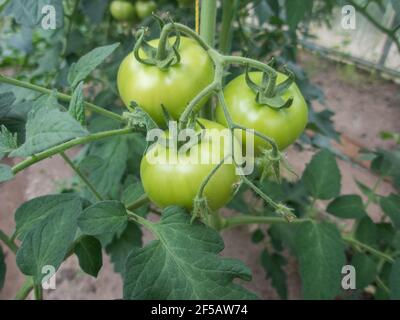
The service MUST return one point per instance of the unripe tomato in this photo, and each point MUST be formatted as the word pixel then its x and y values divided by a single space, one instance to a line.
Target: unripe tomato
pixel 283 125
pixel 173 88
pixel 122 10
pixel 145 8
pixel 167 183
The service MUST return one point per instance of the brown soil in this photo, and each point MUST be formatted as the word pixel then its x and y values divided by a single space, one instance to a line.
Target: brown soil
pixel 363 107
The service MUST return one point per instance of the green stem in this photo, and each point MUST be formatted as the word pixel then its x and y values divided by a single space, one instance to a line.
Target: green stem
pixel 67 145
pixel 229 9
pixel 208 19
pixel 377 253
pixel 82 176
pixel 248 219
pixel 247 61
pixel 70 24
pixel 8 242
pixel 142 200
pixel 38 292
pixel 381 284
pixel 25 289
pixel 60 96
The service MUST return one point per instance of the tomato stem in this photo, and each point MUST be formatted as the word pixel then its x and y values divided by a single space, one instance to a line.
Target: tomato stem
pixel 8 242
pixel 229 9
pixel 239 220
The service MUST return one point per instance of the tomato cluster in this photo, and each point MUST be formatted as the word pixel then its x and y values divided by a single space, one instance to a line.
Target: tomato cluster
pixel 130 11
pixel 157 90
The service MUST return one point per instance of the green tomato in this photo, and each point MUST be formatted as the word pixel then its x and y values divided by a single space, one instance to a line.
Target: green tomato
pixel 177 183
pixel 173 88
pixel 122 10
pixel 283 125
pixel 145 8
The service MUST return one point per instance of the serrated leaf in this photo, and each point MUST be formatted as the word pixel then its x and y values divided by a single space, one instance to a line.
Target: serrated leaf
pixel 320 250
pixel 47 127
pixel 366 231
pixel 90 61
pixel 76 106
pixel 31 213
pixel 322 176
pixel 347 207
pixel 184 263
pixel 88 251
pixel 5 173
pixel 122 244
pixel 6 101
pixel 273 265
pixel 8 140
pixel 103 217
pixel 29 13
pixel 48 240
pixel 3 268
pixel 391 207
pixel 366 269
pixel 394 280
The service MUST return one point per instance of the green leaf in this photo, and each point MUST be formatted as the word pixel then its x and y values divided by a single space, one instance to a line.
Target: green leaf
pixel 3 268
pixel 321 122
pixel 257 236
pixel 366 269
pixel 29 13
pixel 103 217
pixel 296 11
pixel 94 9
pixel 391 206
pixel 76 106
pixel 394 280
pixel 106 164
pixel 90 61
pixel 322 176
pixel 48 233
pixel 47 127
pixel 273 265
pixel 88 251
pixel 122 244
pixel 183 263
pixel 366 231
pixel 320 251
pixel 347 207
pixel 33 212
pixel 8 140
pixel 6 101
pixel 5 173
pixel 386 163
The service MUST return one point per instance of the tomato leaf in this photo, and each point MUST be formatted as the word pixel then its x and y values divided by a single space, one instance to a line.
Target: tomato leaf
pixel 322 176
pixel 6 101
pixel 394 280
pixel 320 251
pixel 367 191
pixel 273 265
pixel 49 233
pixel 122 244
pixel 183 263
pixel 103 217
pixel 90 61
pixel 366 269
pixel 8 140
pixel 391 207
pixel 347 207
pixel 47 127
pixel 76 106
pixel 88 251
pixel 366 231
pixel 296 11
pixel 3 268
pixel 5 173
pixel 33 212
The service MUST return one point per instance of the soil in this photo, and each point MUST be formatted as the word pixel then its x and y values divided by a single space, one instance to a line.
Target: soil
pixel 364 106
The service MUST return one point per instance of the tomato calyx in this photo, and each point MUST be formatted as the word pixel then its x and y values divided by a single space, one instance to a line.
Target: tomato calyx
pixel 269 93
pixel 163 56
